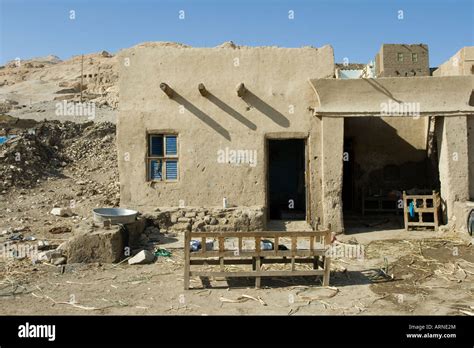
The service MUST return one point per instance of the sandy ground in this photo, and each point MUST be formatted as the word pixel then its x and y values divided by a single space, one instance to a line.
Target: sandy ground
pixel 431 275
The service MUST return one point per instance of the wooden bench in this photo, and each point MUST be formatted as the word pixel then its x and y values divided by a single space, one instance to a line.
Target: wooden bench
pixel 316 253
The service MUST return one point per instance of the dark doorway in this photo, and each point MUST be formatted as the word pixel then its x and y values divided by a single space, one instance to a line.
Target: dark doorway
pixel 286 179
pixel 348 175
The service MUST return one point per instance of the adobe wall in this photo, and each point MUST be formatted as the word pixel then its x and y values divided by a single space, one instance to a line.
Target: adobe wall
pixel 332 166
pixel 460 64
pixel 276 105
pixel 451 135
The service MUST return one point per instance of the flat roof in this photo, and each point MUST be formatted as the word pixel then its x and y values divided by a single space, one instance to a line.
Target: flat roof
pixel 443 96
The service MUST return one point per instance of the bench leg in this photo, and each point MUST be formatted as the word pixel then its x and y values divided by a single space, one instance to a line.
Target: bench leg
pixel 186 276
pixel 327 270
pixel 315 262
pixel 187 260
pixel 257 279
pixel 221 264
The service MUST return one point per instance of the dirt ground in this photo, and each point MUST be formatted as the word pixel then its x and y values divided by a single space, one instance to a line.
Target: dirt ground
pixel 416 275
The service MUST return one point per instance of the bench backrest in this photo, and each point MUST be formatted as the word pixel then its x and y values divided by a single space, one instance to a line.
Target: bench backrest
pixel 317 242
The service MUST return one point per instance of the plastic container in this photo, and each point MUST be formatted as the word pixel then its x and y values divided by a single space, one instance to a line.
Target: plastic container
pixel 195 245
pixel 266 245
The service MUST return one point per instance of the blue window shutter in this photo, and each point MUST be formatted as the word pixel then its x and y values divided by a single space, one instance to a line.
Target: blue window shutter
pixel 156 170
pixel 171 170
pixel 171 145
pixel 156 145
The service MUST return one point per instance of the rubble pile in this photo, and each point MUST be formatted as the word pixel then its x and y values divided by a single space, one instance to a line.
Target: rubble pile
pixel 49 148
pixel 197 219
pixel 96 147
pixel 25 159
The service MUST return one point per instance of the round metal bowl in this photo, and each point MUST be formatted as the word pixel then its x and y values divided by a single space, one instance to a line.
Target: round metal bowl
pixel 115 215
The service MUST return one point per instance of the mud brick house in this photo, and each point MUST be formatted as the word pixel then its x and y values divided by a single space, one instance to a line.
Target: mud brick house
pixel 228 138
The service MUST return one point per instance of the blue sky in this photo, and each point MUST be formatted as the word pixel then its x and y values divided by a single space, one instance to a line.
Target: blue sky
pixel 355 28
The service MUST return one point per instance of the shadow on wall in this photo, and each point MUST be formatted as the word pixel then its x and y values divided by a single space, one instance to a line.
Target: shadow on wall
pixel 251 99
pixel 232 112
pixel 379 88
pixel 266 109
pixel 383 160
pixel 201 115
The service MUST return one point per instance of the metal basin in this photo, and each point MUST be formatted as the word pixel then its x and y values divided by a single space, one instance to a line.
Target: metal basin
pixel 115 215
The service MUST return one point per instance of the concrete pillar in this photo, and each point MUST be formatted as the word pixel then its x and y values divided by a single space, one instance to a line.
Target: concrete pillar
pixel 451 135
pixel 332 147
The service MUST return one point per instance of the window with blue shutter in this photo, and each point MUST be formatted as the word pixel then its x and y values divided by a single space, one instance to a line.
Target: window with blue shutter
pixel 171 170
pixel 171 145
pixel 162 159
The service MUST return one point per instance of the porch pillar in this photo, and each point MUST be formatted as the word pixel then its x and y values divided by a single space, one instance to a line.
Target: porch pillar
pixel 332 146
pixel 451 135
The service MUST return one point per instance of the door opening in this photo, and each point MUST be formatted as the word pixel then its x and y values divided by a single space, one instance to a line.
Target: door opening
pixel 286 179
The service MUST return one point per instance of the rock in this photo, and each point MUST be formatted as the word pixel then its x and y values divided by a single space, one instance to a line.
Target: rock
pixel 98 245
pixel 181 227
pixel 242 223
pixel 58 261
pixel 198 225
pixel 143 239
pixel 152 230
pixel 58 230
pixel 183 219
pixel 43 244
pixel 105 54
pixel 213 221
pixel 62 247
pixel 48 255
pixel 191 214
pixel 257 222
pixel 61 212
pixel 174 219
pixel 143 257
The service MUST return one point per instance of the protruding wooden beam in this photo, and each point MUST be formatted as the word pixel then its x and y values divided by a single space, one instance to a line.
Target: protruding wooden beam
pixel 241 90
pixel 202 89
pixel 167 89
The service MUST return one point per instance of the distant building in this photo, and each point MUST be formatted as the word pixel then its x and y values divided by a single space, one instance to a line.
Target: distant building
pixel 401 60
pixel 355 71
pixel 462 63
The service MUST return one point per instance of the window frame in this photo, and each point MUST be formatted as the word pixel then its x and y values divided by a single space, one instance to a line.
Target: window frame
pixel 414 57
pixel 400 55
pixel 163 158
